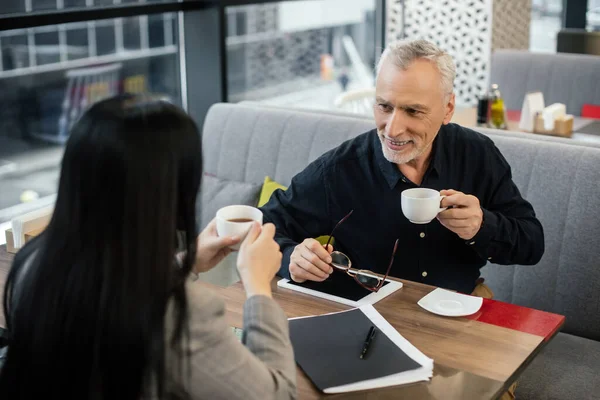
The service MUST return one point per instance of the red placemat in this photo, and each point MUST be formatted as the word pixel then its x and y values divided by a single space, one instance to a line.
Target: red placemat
pixel 519 318
pixel 590 111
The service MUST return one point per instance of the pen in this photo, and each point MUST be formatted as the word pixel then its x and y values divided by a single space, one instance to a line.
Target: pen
pixel 368 341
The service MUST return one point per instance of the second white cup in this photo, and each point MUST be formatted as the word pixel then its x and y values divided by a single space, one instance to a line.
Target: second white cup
pixel 421 205
pixel 236 221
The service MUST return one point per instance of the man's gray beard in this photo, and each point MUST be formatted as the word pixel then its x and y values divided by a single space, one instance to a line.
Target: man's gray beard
pixel 395 157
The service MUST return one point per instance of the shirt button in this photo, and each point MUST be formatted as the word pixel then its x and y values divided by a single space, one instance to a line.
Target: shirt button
pixel 404 179
pixel 424 274
pixel 422 235
pixel 489 258
pixel 472 243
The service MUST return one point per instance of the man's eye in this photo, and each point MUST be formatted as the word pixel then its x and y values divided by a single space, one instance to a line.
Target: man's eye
pixel 412 111
pixel 385 107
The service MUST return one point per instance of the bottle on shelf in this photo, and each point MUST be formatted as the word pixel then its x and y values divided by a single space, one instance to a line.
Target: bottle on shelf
pixel 483 111
pixel 497 109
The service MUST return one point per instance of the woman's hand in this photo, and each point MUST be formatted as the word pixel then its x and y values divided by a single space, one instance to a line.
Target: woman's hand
pixel 212 249
pixel 259 260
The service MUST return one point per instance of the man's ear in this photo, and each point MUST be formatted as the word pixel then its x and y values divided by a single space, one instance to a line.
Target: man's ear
pixel 449 107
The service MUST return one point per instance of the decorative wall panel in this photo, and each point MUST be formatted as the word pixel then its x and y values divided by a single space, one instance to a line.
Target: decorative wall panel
pixel 461 27
pixel 511 24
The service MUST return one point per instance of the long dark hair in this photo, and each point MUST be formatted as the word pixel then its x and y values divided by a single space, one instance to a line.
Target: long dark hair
pixel 87 318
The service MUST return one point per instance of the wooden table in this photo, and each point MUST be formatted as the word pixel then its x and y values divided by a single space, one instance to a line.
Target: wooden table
pixel 474 357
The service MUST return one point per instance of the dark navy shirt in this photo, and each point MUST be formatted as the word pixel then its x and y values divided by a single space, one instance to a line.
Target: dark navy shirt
pixel 356 176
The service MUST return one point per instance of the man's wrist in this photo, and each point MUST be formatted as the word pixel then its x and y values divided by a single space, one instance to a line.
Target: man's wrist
pixel 482 240
pixel 480 226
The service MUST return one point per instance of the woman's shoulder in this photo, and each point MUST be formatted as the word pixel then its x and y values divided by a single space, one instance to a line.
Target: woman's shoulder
pixel 202 300
pixel 204 307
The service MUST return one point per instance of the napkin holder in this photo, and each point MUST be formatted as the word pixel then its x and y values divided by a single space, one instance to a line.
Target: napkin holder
pixel 10 239
pixel 27 226
pixel 563 126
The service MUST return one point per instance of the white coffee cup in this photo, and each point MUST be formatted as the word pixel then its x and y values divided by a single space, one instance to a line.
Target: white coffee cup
pixel 421 205
pixel 228 226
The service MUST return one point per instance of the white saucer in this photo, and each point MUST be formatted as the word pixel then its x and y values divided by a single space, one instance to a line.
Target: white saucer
pixel 450 304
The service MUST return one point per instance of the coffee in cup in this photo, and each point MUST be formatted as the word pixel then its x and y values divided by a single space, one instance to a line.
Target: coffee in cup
pixel 236 221
pixel 421 205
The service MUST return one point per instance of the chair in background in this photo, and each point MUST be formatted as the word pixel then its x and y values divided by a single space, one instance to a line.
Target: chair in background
pixel 358 101
pixel 362 73
pixel 361 99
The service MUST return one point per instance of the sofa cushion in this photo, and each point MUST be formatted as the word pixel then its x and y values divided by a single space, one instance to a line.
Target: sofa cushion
pixel 268 187
pixel 217 193
pixel 247 143
pixel 567 368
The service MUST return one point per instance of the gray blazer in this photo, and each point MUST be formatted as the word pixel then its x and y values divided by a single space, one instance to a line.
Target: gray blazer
pixel 221 367
pixel 261 368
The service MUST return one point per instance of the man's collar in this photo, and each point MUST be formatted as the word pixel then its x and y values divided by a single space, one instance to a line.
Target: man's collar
pixel 392 173
pixel 438 156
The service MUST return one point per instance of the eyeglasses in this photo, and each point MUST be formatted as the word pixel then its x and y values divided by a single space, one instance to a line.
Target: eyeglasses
pixel 365 278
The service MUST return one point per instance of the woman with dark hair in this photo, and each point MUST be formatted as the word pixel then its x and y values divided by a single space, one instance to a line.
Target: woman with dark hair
pixel 98 307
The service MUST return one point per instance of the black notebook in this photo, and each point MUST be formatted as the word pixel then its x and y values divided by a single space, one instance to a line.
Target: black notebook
pixel 328 349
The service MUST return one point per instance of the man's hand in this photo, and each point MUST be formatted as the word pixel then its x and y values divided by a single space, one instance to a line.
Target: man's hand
pixel 310 261
pixel 465 215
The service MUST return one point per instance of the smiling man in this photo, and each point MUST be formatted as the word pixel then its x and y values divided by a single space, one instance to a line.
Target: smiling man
pixel 414 145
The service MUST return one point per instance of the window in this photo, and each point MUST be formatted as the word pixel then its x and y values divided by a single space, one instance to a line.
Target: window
pixel 50 74
pixel 300 53
pixel 593 15
pixel 546 22
pixel 22 6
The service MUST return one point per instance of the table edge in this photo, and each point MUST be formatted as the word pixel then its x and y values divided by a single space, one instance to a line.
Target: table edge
pixel 519 371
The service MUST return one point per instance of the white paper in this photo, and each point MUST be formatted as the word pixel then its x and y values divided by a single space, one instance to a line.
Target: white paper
pixel 532 104
pixel 424 373
pixel 372 298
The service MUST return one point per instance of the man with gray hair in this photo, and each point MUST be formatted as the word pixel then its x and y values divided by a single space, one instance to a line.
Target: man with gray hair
pixel 414 145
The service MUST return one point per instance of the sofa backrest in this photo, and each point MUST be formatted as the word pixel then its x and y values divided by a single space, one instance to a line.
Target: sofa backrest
pixel 245 143
pixel 562 182
pixel 571 79
pixel 248 142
